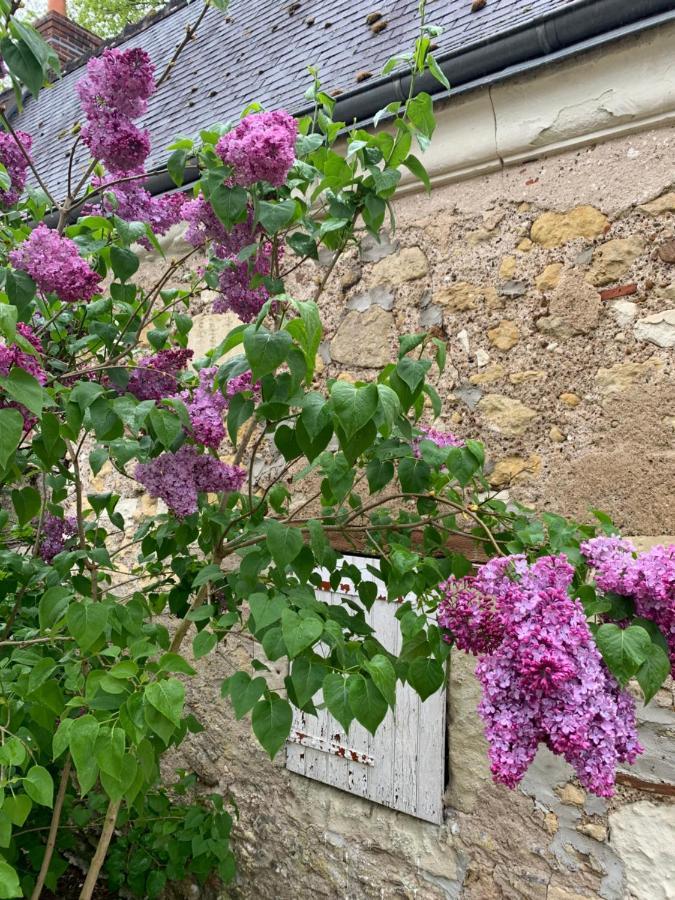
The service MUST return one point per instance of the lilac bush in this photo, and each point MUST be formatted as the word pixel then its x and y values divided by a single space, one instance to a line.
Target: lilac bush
pixel 102 398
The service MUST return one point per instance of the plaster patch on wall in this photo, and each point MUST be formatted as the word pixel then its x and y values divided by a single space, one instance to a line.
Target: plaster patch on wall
pixel 643 835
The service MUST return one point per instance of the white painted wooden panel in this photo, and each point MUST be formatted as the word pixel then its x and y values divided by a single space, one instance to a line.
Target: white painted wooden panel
pixel 403 765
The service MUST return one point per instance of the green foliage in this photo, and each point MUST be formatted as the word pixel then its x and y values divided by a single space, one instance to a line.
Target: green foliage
pixel 163 841
pixel 93 686
pixel 110 17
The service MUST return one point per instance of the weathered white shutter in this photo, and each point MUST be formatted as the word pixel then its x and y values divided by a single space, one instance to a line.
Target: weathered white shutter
pixel 403 765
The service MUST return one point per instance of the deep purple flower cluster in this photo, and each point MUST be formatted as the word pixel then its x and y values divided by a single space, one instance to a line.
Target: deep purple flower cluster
pixel 203 224
pixel 55 265
pixel 114 91
pixel 177 478
pixel 206 405
pixel 647 578
pixel 542 676
pixel 236 292
pixel 156 376
pixel 55 533
pixel 132 202
pixel 260 148
pixel 14 160
pixel 440 438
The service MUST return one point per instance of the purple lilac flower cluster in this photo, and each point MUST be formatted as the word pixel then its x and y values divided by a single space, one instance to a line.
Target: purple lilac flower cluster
pixel 156 376
pixel 55 265
pixel 236 294
pixel 114 91
pixel 542 676
pixel 206 406
pixel 177 478
pixel 14 160
pixel 440 438
pixel 243 382
pixel 132 202
pixel 13 355
pixel 647 578
pixel 260 148
pixel 55 533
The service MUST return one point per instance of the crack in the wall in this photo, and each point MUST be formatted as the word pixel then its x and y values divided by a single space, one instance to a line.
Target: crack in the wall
pixel 494 120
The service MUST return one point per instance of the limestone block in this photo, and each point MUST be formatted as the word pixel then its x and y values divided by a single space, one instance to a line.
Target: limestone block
pixel 663 204
pixel 576 304
pixel 572 794
pixel 643 835
pixel 512 468
pixel 658 328
pixel 556 435
pixel 620 377
pixel 493 373
pixel 613 259
pixel 555 327
pixel 552 229
pixel 527 375
pixel 549 278
pixel 593 830
pixel 506 415
pixel 525 245
pixel 570 400
pixel 364 339
pixel 505 336
pixel 459 296
pixel 209 329
pixel 407 265
pixel 507 267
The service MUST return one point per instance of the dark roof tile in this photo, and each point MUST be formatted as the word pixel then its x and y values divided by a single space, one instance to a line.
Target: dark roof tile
pixel 262 54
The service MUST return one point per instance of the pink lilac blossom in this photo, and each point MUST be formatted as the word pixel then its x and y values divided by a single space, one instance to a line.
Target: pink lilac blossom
pixel 55 533
pixel 205 406
pixel 236 292
pixel 14 160
pixel 55 265
pixel 122 80
pixel 260 148
pixel 132 202
pixel 114 91
pixel 542 676
pixel 177 478
pixel 243 382
pixel 156 376
pixel 117 142
pixel 440 438
pixel 205 226
pixel 648 579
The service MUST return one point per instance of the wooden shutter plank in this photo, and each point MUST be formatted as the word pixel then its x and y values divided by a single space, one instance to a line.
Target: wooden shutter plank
pixel 407 771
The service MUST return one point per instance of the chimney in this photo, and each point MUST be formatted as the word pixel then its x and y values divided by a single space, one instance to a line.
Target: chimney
pixel 69 40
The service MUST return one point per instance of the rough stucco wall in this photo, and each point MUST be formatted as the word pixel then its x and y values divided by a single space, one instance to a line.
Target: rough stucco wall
pixel 554 285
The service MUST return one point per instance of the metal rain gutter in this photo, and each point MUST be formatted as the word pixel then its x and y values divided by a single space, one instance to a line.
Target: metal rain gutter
pixel 581 26
pixel 566 32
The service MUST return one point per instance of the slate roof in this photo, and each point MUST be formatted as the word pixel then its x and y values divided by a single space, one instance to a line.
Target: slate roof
pixel 261 51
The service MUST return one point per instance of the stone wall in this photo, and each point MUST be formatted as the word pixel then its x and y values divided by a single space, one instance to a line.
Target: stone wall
pixel 554 285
